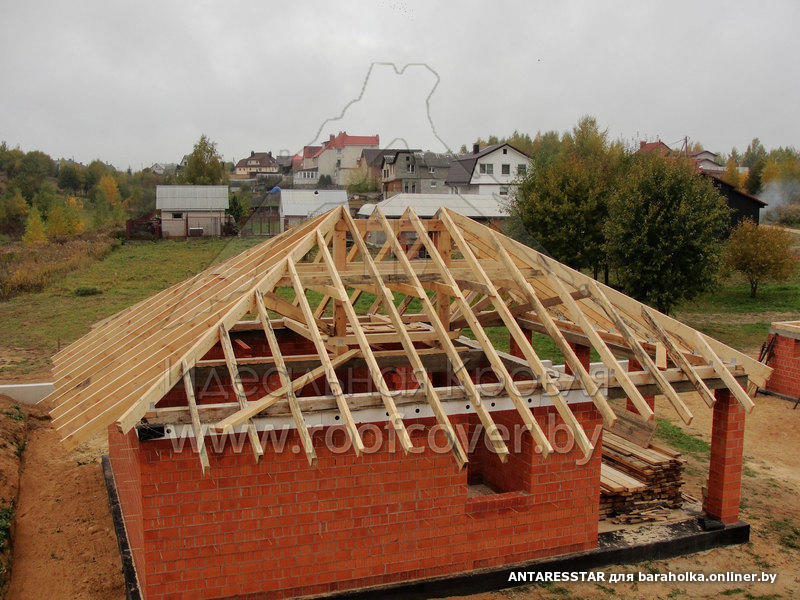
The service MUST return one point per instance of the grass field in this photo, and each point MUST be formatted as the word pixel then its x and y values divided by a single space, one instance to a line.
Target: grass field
pixel 34 325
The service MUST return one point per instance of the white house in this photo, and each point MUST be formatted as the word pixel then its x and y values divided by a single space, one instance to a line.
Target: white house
pixel 490 170
pixel 336 157
pixel 192 210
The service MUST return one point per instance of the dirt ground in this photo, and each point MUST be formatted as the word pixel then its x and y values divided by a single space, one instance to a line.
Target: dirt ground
pixel 64 542
pixel 63 539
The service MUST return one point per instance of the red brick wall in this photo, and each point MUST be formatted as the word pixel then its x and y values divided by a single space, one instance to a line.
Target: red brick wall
pixel 785 361
pixel 285 528
pixel 125 454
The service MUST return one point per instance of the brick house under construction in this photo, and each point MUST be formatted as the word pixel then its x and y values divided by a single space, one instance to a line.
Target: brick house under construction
pixel 297 420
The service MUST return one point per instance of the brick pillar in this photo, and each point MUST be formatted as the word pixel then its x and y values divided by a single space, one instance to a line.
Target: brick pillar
pixel 584 355
pixel 725 469
pixel 633 365
pixel 513 348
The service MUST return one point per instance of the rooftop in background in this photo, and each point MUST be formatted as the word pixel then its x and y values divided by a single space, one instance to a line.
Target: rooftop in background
pixel 192 197
pixel 310 203
pixel 374 156
pixel 463 165
pixel 475 206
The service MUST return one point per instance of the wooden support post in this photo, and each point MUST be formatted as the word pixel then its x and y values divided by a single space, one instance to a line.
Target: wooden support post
pixel 197 428
pixel 283 374
pixel 236 381
pixel 340 259
pixel 330 373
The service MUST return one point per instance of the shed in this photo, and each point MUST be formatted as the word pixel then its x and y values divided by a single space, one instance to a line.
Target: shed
pixel 743 205
pixel 299 205
pixel 188 210
pixel 271 436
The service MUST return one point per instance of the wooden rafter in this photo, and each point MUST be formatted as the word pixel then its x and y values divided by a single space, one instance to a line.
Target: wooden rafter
pixel 375 371
pixel 197 427
pixel 330 373
pixel 420 373
pixel 458 368
pixel 497 365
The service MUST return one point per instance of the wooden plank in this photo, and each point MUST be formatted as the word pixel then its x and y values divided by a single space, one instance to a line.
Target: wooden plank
pixel 366 351
pixel 263 403
pixel 570 358
pixel 497 365
pixel 420 373
pixel 707 352
pixel 197 428
pixel 330 373
pixel 274 347
pixel 678 358
pixel 641 356
pixel 238 388
pixel 491 429
pixel 576 314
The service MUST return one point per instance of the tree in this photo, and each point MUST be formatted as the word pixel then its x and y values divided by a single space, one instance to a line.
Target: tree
pixel 753 182
pixel 57 224
pixel 731 174
pixel 205 165
pixel 108 189
pixel 13 210
pixel 664 229
pixel 93 173
pixel 562 200
pixel 34 228
pixel 239 206
pixel 754 152
pixel 325 182
pixel 69 177
pixel 760 253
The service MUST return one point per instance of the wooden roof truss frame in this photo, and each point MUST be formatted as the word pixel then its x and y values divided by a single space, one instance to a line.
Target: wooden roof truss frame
pixel 471 277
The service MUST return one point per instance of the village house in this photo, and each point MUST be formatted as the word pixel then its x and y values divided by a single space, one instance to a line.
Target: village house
pixel 414 172
pixel 336 157
pixel 258 163
pixel 192 210
pixel 371 160
pixel 489 170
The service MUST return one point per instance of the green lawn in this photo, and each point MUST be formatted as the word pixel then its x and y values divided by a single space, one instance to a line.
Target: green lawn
pixel 39 323
pixel 57 316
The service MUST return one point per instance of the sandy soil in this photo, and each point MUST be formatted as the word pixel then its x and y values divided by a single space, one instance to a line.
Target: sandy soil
pixel 64 539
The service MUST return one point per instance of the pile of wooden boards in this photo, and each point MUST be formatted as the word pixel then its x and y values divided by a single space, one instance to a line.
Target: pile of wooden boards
pixel 635 478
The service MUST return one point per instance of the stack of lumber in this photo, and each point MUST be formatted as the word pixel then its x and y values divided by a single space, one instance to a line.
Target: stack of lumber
pixel 632 475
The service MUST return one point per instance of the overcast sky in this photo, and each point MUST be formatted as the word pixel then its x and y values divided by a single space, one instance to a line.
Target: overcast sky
pixel 137 82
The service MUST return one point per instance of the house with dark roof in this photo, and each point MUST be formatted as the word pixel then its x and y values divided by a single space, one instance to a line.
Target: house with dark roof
pixel 258 163
pixel 489 170
pixel 371 160
pixel 707 163
pixel 414 172
pixel 743 205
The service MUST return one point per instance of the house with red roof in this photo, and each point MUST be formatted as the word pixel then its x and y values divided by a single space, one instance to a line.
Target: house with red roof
pixel 336 157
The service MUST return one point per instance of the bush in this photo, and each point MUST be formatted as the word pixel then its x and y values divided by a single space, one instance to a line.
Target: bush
pixel 760 253
pixel 26 268
pixel 87 291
